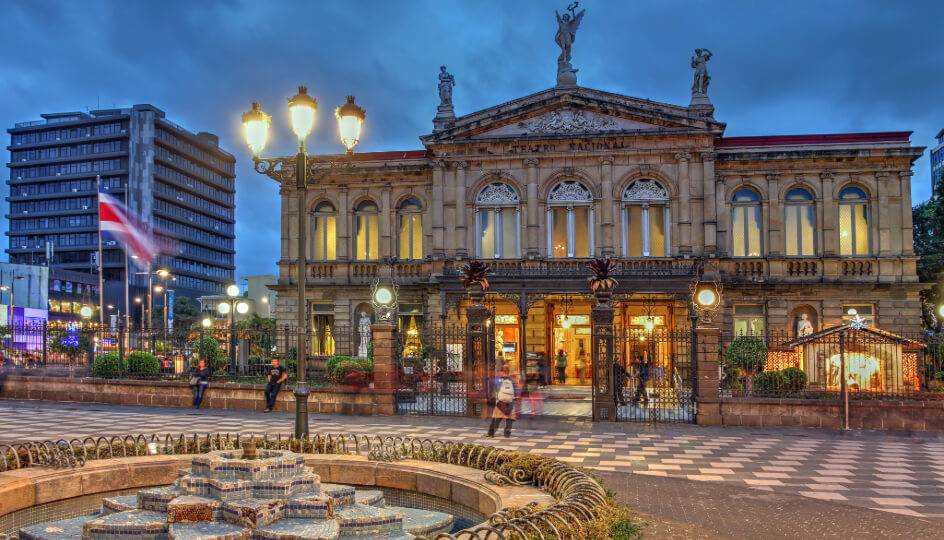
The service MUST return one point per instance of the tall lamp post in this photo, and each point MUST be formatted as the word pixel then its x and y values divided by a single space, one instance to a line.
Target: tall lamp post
pixel 231 307
pixel 11 320
pixel 284 170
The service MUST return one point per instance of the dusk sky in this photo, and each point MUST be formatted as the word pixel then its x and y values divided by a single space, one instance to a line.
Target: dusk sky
pixel 778 68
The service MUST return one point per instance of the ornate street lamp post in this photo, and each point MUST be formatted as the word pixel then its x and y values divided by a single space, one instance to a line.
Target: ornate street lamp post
pixel 231 307
pixel 256 124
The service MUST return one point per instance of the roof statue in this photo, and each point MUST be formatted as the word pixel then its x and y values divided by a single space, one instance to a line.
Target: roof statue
pixel 445 114
pixel 700 81
pixel 567 25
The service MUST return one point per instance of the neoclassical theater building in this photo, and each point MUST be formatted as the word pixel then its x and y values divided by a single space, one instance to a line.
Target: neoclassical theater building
pixel 795 225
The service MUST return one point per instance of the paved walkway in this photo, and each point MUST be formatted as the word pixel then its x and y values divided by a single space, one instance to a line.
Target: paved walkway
pixel 893 473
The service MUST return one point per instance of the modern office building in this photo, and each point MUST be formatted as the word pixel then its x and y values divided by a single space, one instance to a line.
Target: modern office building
pixel 937 164
pixel 179 184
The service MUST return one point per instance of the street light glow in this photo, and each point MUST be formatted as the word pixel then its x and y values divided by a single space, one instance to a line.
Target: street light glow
pixel 383 296
pixel 706 297
pixel 158 289
pixel 350 120
pixel 85 312
pixel 302 108
pixel 242 308
pixel 223 308
pixel 232 291
pixel 163 272
pixel 256 128
pixel 940 310
pixel 206 322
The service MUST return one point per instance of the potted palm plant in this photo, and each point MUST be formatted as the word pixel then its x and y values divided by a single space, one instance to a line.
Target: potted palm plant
pixel 475 278
pixel 602 282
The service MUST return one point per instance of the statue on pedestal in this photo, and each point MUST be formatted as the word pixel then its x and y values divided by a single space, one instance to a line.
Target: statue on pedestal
pixel 701 79
pixel 445 114
pixel 804 327
pixel 364 329
pixel 567 25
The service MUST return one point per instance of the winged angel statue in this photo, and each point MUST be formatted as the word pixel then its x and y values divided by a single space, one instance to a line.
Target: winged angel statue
pixel 567 25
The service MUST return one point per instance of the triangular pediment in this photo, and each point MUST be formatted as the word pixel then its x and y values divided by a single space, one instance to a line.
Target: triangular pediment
pixel 573 112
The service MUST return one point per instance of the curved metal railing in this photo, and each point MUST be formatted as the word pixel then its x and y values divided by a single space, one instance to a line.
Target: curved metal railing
pixel 578 497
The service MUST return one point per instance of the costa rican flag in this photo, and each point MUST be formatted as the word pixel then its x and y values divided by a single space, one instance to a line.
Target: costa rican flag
pixel 113 219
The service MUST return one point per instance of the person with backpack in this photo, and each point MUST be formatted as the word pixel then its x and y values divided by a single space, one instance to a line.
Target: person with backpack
pixel 504 405
pixel 642 376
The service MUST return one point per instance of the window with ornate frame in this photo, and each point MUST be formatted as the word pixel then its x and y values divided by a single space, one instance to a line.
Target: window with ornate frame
pixel 367 231
pixel 570 220
pixel 497 222
pixel 746 224
pixel 854 218
pixel 411 230
pixel 324 232
pixel 646 223
pixel 799 223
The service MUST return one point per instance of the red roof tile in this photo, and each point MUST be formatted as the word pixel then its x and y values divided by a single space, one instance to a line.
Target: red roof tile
pixel 802 140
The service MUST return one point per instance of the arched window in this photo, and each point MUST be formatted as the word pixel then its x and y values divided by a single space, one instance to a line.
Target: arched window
pixel 799 221
pixel 745 223
pixel 411 230
pixel 853 222
pixel 367 232
pixel 324 233
pixel 645 220
pixel 497 222
pixel 569 220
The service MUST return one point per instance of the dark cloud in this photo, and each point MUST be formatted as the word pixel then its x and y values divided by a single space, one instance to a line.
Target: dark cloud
pixel 779 67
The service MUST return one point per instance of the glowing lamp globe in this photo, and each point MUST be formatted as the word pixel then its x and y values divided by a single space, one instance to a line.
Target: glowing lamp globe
pixel 350 121
pixel 302 109
pixel 242 308
pixel 206 322
pixel 852 312
pixel 223 308
pixel 649 324
pixel 256 128
pixel 85 312
pixel 232 291
pixel 940 310
pixel 566 322
pixel 383 296
pixel 706 297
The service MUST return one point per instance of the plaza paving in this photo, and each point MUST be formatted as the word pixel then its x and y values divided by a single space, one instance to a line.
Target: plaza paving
pixel 900 475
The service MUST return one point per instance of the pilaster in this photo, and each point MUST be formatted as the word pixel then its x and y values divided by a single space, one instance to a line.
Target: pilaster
pixel 533 249
pixel 437 210
pixel 606 203
pixel 711 212
pixel 385 219
pixel 684 199
pixel 907 223
pixel 461 222
pixel 773 217
pixel 830 215
pixel 342 224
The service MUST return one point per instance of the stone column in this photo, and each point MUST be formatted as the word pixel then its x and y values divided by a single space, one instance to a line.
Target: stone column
pixel 708 339
pixel 773 217
pixel 882 244
pixel 477 354
pixel 907 223
pixel 606 204
pixel 385 216
pixel 830 216
pixel 601 351
pixel 385 367
pixel 462 250
pixel 437 210
pixel 722 216
pixel 341 224
pixel 711 212
pixel 685 211
pixel 533 250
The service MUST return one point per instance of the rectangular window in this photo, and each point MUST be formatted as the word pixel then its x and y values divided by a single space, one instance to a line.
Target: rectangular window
pixel 746 231
pixel 411 236
pixel 866 312
pixel 559 232
pixel 325 238
pixel 509 246
pixel 799 230
pixel 634 231
pixel 853 229
pixel 657 231
pixel 487 235
pixel 749 320
pixel 581 231
pixel 367 241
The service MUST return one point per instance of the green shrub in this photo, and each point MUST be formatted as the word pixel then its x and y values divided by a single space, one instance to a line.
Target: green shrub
pixel 143 363
pixel 747 354
pixel 769 383
pixel 209 349
pixel 108 365
pixel 795 379
pixel 939 376
pixel 349 370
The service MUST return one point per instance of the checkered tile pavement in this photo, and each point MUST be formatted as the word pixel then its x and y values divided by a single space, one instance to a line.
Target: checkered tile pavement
pixel 884 472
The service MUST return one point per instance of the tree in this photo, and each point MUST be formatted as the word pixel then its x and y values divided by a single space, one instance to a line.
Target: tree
pixel 186 312
pixel 747 354
pixel 928 219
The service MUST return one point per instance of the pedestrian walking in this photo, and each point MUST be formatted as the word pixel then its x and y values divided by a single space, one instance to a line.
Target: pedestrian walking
pixel 504 406
pixel 277 377
pixel 582 366
pixel 560 362
pixel 642 376
pixel 199 380
pixel 620 376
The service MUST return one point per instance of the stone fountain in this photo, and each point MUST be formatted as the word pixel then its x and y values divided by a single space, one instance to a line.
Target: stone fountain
pixel 242 494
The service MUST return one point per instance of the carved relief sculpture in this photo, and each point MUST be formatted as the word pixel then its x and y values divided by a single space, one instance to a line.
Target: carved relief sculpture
pixel 567 121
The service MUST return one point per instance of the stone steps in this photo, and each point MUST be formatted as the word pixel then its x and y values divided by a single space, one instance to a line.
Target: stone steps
pixel 208 531
pixel 64 529
pixel 140 524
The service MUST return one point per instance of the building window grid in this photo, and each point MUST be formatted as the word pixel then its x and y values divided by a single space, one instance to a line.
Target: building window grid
pixel 747 228
pixel 324 233
pixel 195 151
pixel 193 183
pixel 854 222
pixel 367 232
pixel 573 202
pixel 800 223
pixel 65 134
pixel 497 222
pixel 411 230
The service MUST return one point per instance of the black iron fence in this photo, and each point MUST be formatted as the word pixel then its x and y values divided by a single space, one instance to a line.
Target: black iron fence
pixel 244 354
pixel 654 376
pixel 863 362
pixel 431 371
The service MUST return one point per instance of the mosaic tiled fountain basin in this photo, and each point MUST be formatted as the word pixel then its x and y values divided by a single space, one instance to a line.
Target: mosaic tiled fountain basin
pixel 229 495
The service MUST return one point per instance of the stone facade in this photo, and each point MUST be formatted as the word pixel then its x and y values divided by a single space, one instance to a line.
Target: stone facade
pixel 591 160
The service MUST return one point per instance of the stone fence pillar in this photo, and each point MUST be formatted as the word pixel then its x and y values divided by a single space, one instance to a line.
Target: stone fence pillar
pixel 478 350
pixel 708 341
pixel 601 350
pixel 384 340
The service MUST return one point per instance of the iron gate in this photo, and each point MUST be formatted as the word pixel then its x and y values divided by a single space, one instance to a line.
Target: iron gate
pixel 431 371
pixel 658 376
